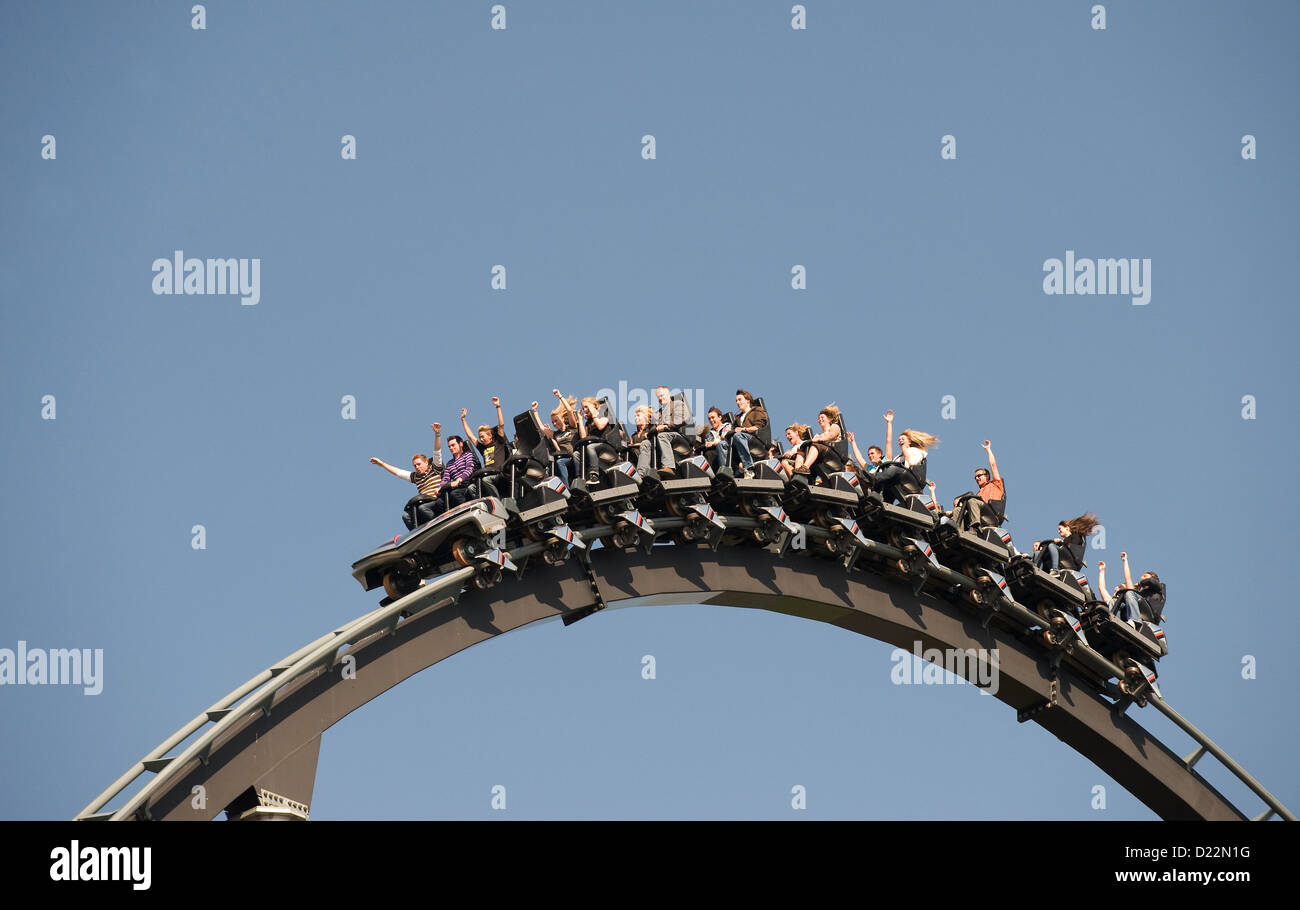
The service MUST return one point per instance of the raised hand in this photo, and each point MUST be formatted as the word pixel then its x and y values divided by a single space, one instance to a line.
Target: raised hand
pixel 496 402
pixel 889 417
pixel 436 427
pixel 464 412
pixel 375 461
pixel 987 445
pixel 534 406
pixel 851 439
pixel 1101 564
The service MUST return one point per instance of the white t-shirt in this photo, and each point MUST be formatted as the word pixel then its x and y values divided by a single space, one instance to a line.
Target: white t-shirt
pixel 911 456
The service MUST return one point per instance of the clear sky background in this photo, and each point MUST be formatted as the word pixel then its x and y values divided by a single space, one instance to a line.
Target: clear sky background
pixel 522 147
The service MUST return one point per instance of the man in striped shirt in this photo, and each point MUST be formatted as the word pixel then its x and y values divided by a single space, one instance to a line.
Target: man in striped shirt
pixel 427 477
pixel 463 463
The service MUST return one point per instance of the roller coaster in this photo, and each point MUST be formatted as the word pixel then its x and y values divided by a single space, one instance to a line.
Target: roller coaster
pixel 525 546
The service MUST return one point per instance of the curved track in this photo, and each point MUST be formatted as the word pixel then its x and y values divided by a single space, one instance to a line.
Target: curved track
pixel 267 732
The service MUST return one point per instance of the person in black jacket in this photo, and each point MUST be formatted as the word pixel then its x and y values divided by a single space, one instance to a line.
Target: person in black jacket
pixel 1131 602
pixel 1066 551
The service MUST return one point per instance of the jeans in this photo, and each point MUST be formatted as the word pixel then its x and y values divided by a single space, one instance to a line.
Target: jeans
pixel 418 510
pixel 564 468
pixel 741 441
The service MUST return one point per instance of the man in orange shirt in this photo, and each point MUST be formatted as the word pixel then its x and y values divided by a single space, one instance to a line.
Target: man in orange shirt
pixel 989 505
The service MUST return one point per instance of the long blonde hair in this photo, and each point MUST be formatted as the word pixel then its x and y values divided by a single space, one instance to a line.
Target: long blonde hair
pixel 921 440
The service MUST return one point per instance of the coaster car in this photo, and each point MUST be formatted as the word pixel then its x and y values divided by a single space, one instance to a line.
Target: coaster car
pixel 685 495
pixel 473 533
pixel 1063 589
pixel 983 547
pixel 1134 646
pixel 913 516
pixel 836 494
pixel 759 497
pixel 611 499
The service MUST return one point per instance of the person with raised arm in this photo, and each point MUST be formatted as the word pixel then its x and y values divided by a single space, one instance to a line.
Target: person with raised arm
pixel 906 472
pixel 988 505
pixel 1144 600
pixel 427 477
pixel 491 442
pixel 875 457
pixel 564 420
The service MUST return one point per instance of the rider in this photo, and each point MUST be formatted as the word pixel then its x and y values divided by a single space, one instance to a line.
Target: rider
pixel 908 469
pixel 427 477
pixel 1066 551
pixel 989 505
pixel 1145 600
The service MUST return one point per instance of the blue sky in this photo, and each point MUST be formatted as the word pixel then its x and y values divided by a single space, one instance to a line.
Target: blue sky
pixel 774 147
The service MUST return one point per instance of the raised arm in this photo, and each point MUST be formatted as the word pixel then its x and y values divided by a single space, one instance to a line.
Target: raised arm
pixel 889 436
pixel 470 436
pixel 436 461
pixel 1101 579
pixel 396 472
pixel 1128 575
pixel 564 403
pixel 857 453
pixel 993 462
pixel 501 420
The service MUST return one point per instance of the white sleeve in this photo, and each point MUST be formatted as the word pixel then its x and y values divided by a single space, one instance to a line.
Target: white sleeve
pixel 405 475
pixel 915 456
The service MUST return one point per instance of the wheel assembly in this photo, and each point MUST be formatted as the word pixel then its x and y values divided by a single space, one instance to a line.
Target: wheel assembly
pixel 463 550
pixel 400 582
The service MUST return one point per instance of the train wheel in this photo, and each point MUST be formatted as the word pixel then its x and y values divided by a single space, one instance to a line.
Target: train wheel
pixel 976 597
pixel 463 550
pixel 759 537
pixel 903 566
pixel 673 506
pixel 397 583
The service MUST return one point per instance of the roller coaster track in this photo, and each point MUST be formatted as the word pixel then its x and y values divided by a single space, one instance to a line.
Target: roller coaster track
pixel 266 733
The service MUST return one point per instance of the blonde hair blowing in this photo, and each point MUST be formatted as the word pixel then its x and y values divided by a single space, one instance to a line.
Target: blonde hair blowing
pixel 919 439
